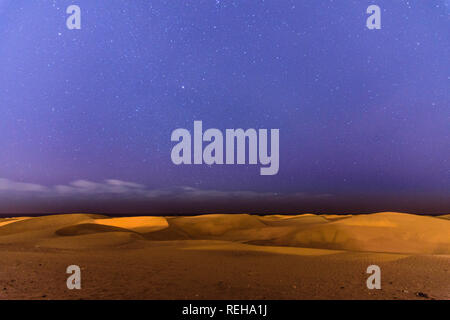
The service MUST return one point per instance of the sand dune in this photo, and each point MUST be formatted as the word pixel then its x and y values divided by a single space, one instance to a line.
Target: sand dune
pixel 336 216
pixel 45 223
pixel 302 219
pixel 137 224
pixel 88 228
pixel 388 232
pixel 381 232
pixel 5 221
pixel 220 256
pixel 131 224
pixel 90 241
pixel 31 229
pixel 215 224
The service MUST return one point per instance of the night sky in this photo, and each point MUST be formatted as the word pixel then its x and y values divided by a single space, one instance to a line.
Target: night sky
pixel 86 115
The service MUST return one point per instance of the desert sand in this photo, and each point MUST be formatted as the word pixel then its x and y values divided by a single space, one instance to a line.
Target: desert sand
pixel 220 256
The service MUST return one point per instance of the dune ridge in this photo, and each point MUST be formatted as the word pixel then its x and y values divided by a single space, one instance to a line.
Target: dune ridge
pixel 387 232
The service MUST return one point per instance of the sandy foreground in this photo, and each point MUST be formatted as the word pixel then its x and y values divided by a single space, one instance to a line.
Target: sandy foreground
pixel 235 256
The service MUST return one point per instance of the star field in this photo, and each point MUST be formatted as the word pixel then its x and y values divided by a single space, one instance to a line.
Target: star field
pixel 362 113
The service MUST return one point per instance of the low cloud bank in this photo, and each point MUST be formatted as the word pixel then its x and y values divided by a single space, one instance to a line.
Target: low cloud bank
pixel 118 188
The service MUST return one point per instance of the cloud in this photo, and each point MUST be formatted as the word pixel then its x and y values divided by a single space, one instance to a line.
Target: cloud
pixel 111 186
pixel 117 189
pixel 12 186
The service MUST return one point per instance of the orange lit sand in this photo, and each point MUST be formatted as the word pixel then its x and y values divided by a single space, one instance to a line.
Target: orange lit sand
pixel 221 256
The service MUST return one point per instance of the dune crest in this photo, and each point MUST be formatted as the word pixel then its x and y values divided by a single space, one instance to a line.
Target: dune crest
pixel 5 221
pixel 137 224
pixel 384 232
pixel 215 224
pixel 380 232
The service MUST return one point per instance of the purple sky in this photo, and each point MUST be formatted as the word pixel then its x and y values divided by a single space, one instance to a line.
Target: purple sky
pixel 86 115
